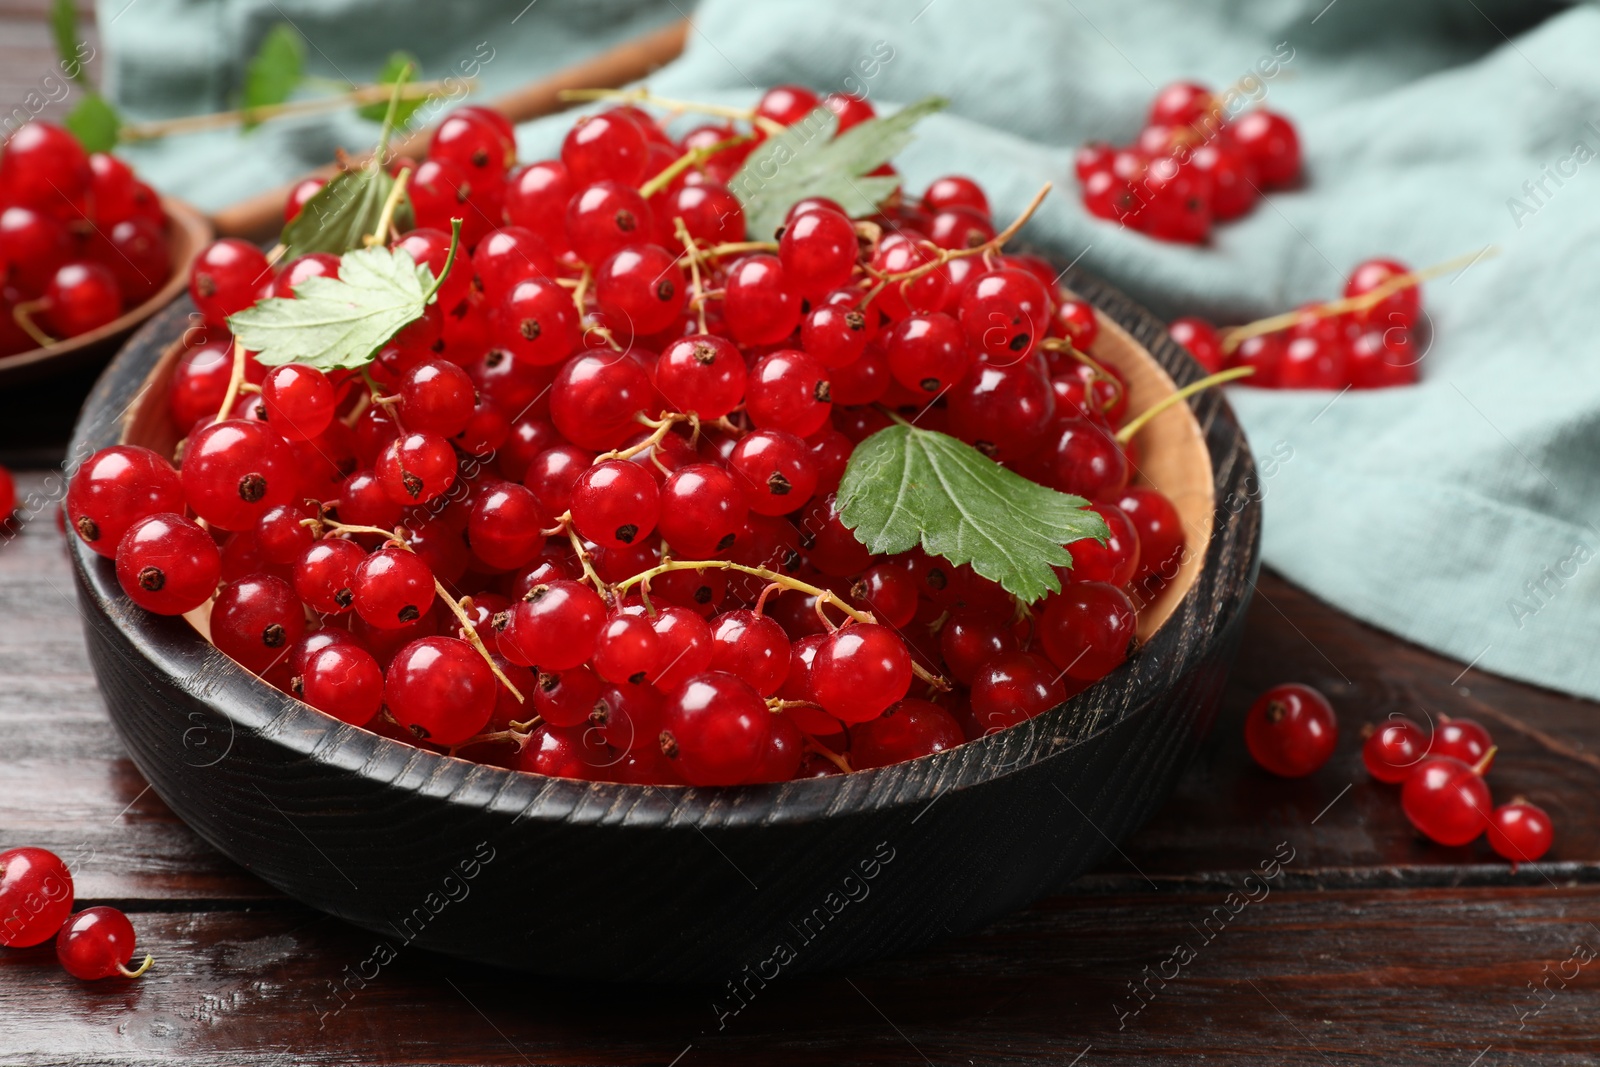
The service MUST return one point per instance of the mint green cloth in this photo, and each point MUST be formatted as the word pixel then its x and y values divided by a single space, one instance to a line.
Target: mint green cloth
pixel 1459 513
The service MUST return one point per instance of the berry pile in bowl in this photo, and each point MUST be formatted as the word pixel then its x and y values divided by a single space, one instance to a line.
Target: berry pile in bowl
pixel 535 522
pixel 87 250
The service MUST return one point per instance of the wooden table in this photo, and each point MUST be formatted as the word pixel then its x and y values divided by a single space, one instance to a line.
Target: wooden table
pixel 1370 946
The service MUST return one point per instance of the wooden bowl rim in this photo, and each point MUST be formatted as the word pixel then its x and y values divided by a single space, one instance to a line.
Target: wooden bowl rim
pixel 197 233
pixel 178 651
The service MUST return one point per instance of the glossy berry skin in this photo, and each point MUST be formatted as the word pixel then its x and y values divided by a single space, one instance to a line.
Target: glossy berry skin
pixel 167 564
pixel 299 195
pixel 235 470
pixel 343 680
pixel 536 197
pixel 927 353
pixel 1086 629
pixel 701 373
pixel 1394 749
pixel 760 306
pixel 833 335
pixel 504 526
pixel 1269 142
pixel 889 592
pixel 440 689
pixel 1200 338
pixel 1400 308
pixel 955 190
pixel 788 390
pixel 553 627
pixel 325 575
pixel 226 278
pixel 775 470
pixel 1520 831
pixel 392 588
pixel 1181 104
pixel 416 467
pixel 818 252
pixel 35 896
pixel 538 322
pixel 606 217
pixel 786 104
pixel 1446 800
pixel 1160 530
pixel 859 671
pixel 1460 739
pixel 96 943
pixel 505 257
pixel 552 474
pixel 641 288
pixel 702 511
pixel 1003 411
pixel 1013 687
pixel 1291 730
pixel 1083 459
pixel 926 292
pixel 1116 561
pixel 436 396
pixel 299 401
pixel 1004 313
pixel 565 698
pixel 627 649
pixel 715 728
pixel 296 271
pixel 1311 363
pixel 476 144
pixel 751 647
pixel 116 487
pixel 81 297
pixel 595 397
pixel 43 166
pixel 686 645
pixel 615 503
pixel 256 622
pixel 909 729
pixel 605 147
pixel 971 637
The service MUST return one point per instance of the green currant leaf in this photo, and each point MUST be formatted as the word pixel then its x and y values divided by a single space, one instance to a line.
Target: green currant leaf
pixel 398 63
pixel 339 323
pixel 275 70
pixel 94 123
pixel 64 29
pixel 342 213
pixel 808 160
pixel 905 486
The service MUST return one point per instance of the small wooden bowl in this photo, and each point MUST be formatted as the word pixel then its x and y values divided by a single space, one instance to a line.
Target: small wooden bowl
pixel 188 234
pixel 677 884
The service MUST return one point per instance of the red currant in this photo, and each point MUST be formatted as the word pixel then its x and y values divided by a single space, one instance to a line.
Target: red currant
pixel 167 564
pixel 1520 831
pixel 1446 800
pixel 35 896
pixel 440 689
pixel 1394 749
pixel 98 943
pixel 1291 730
pixel 715 729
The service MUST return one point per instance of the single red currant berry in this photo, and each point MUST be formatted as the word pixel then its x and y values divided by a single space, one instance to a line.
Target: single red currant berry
pixel 282 535
pixel 1086 629
pixel 226 278
pixel 702 511
pixel 299 401
pixel 889 592
pixel 538 323
pixel 478 144
pixel 1161 539
pixel 606 217
pixel 1114 562
pixel 256 621
pixel 302 192
pixel 1401 308
pixel 553 627
pixel 116 487
pixel 81 297
pixel 504 526
pixel 908 730
pixel 1446 800
pixel 818 252
pixel 903 255
pixel 35 896
pixel 34 246
pixel 829 545
pixel 686 645
pixel 1003 411
pixel 1201 339
pixel 752 647
pixel 788 390
pixel 759 305
pixel 1083 459
pixel 786 104
pixel 1520 831
pixel 715 729
pixel 641 286
pixel 303 268
pixel 605 147
pixel 507 256
pixel 1291 730
pixel 1394 749
pixel 775 469
pixel 852 110
pixel 235 470
pixel 43 166
pixel 1269 143
pixel 536 196
pixel 343 680
pixel 1312 363
pixel 98 943
pixel 1460 739
pixel 440 689
pixel 1004 313
pixel 392 587
pixel 834 335
pixel 627 650
pixel 615 503
pixel 1013 687
pixel 860 671
pixel 167 564
pixel 415 468
pixel 970 638
pixel 553 473
pixel 701 374
pixel 437 397
pixel 596 396
pixel 566 698
pixel 927 353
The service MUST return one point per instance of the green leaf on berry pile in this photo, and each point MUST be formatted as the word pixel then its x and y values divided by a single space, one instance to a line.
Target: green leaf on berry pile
pixel 275 70
pixel 342 213
pixel 339 323
pixel 94 123
pixel 64 28
pixel 905 486
pixel 398 65
pixel 807 159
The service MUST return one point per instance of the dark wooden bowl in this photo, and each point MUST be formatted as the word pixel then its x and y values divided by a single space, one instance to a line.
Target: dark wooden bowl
pixel 187 235
pixel 679 884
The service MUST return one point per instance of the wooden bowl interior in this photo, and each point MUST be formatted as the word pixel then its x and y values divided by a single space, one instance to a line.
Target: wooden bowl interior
pixel 187 235
pixel 1171 449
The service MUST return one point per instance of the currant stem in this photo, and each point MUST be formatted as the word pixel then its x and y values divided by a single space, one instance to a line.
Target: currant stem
pixel 827 753
pixel 1058 344
pixel 697 295
pixel 1481 768
pixel 492 736
pixel 589 574
pixel 693 157
pixel 1234 336
pixel 449 261
pixel 1138 422
pixel 391 204
pixel 367 94
pixel 642 95
pixel 143 967
pixel 235 381
pixel 661 429
pixel 23 314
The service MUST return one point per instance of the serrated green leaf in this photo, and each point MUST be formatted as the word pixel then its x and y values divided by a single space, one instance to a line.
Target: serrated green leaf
pixel 343 212
pixel 906 486
pixel 94 123
pixel 806 159
pixel 338 323
pixel 64 28
pixel 275 70
pixel 397 64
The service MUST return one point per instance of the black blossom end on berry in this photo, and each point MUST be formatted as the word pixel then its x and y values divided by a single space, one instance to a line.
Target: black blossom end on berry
pixel 704 354
pixel 535 593
pixel 418 731
pixel 252 487
pixel 273 636
pixel 500 621
pixel 411 483
pixel 494 357
pixel 627 532
pixel 669 744
pixel 822 392
pixel 626 222
pixel 205 284
pixel 1019 342
pixel 703 595
pixel 855 321
pixel 637 678
pixel 549 682
pixel 409 613
pixel 727 542
pixel 344 597
pixel 600 714
pixel 665 290
pixel 152 578
pixel 529 329
pixel 87 529
pixel 988 448
pixel 297 685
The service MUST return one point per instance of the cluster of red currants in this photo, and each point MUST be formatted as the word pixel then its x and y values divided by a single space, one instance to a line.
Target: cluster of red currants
pixel 1291 731
pixel 1191 166
pixel 581 517
pixel 82 239
pixel 36 896
pixel 1444 793
pixel 1364 341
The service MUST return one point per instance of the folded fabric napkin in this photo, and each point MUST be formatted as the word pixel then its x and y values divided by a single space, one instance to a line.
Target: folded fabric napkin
pixel 1459 513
